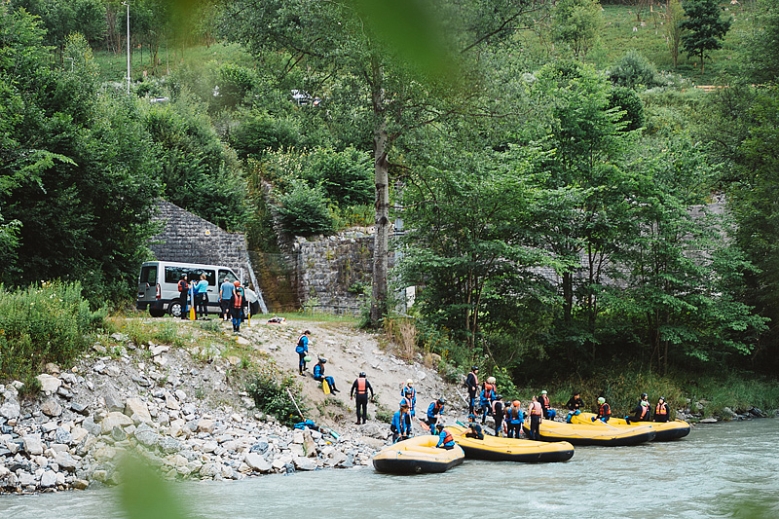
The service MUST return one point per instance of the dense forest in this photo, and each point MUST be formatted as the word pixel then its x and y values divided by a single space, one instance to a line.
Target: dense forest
pixel 571 201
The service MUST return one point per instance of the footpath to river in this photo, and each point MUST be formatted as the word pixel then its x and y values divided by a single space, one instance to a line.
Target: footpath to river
pixel 718 471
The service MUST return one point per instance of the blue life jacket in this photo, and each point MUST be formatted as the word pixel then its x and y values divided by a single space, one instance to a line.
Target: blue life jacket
pixel 401 425
pixel 318 372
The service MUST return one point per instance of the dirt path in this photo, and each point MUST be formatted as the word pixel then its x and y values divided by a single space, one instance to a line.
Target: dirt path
pixel 350 351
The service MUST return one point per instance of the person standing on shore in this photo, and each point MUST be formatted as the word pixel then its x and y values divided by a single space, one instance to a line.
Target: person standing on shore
pixel 434 410
pixel 237 304
pixel 472 383
pixel 536 415
pixel 498 412
pixel 302 350
pixel 201 296
pixel 514 419
pixel 488 393
pixel 409 393
pixel 226 291
pixel 360 389
pixel 183 288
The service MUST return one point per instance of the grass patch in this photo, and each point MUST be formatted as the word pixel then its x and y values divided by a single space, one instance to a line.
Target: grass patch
pixel 269 389
pixel 47 322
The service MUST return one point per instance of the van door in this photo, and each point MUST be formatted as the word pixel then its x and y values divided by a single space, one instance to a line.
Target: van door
pixel 147 284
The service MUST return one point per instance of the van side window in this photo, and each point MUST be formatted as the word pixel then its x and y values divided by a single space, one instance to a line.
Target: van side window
pixel 173 274
pixel 149 275
pixel 226 275
pixel 210 276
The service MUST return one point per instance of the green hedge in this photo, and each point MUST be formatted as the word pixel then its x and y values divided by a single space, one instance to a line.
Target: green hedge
pixel 47 322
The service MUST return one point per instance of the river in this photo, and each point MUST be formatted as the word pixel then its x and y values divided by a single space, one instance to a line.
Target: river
pixel 719 470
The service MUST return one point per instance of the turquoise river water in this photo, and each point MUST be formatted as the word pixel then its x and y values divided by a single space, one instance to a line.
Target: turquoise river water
pixel 719 470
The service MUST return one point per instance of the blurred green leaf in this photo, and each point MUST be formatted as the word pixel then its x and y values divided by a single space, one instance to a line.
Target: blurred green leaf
pixel 144 494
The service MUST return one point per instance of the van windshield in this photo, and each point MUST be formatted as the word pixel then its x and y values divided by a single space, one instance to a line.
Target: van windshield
pixel 226 275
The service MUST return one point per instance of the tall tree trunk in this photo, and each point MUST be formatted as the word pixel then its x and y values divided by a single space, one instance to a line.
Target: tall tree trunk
pixel 381 143
pixel 568 296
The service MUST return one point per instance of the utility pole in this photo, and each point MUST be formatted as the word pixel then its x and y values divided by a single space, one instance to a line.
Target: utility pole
pixel 127 4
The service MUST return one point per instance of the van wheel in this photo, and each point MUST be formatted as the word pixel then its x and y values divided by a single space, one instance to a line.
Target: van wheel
pixel 156 312
pixel 175 309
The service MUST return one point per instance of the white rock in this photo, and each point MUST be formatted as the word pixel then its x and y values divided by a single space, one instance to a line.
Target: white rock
pixel 137 407
pixel 182 396
pixel 114 420
pixel 48 479
pixel 305 463
pixel 258 462
pixel 33 445
pixel 49 384
pixel 205 426
pixel 10 410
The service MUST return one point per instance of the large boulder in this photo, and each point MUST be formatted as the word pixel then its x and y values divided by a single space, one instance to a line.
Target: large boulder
pixel 49 384
pixel 10 410
pixel 258 463
pixel 137 409
pixel 112 420
pixel 51 408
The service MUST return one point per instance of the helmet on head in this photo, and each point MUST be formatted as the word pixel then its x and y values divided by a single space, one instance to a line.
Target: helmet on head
pixel 543 392
pixel 322 360
pixel 409 382
pixel 601 400
pixel 498 397
pixel 474 368
pixel 662 398
pixel 472 417
pixel 491 380
pixel 442 400
pixel 439 426
pixel 516 403
pixel 644 396
pixel 237 283
pixel 362 374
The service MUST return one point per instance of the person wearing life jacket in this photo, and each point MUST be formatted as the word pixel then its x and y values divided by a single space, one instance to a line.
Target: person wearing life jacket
pixel 237 304
pixel 359 393
pixel 549 413
pixel 409 393
pixel 401 424
pixel 434 410
pixel 183 288
pixel 498 412
pixel 319 375
pixel 472 383
pixel 575 405
pixel 474 429
pixel 488 392
pixel 604 411
pixel 302 350
pixel 641 413
pixel 662 411
pixel 445 439
pixel 536 415
pixel 514 419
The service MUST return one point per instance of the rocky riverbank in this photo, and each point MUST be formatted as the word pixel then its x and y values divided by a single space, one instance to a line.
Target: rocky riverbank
pixel 185 409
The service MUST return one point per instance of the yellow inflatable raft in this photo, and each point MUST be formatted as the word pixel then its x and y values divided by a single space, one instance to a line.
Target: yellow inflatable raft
pixel 509 449
pixel 597 433
pixel 664 431
pixel 417 455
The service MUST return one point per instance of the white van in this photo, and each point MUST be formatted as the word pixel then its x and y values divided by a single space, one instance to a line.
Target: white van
pixel 158 285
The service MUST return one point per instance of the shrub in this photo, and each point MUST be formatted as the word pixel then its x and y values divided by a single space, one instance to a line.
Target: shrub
pixel 271 397
pixel 303 211
pixel 634 71
pixel 626 99
pixel 43 323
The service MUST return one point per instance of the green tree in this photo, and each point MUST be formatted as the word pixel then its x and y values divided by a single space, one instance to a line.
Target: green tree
pixel 672 18
pixel 395 68
pixel 704 28
pixel 577 24
pixel 760 48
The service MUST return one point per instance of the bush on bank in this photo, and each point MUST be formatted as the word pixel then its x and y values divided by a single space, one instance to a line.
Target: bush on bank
pixel 46 322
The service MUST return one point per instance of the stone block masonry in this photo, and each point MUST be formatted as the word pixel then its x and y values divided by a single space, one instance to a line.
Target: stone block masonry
pixel 190 239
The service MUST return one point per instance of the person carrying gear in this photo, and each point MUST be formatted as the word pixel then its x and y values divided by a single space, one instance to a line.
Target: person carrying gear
pixel 474 429
pixel 302 350
pixel 536 415
pixel 514 419
pixel 409 394
pixel 488 393
pixel 434 410
pixel 445 439
pixel 401 424
pixel 604 411
pixel 662 411
pixel 360 389
pixel 472 383
pixel 319 374
pixel 574 405
pixel 237 304
pixel 183 288
pixel 549 413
